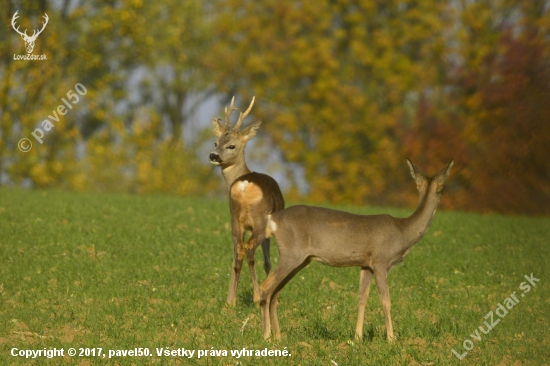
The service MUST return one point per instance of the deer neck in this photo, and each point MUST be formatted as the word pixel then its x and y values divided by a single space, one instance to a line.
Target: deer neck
pixel 416 225
pixel 232 172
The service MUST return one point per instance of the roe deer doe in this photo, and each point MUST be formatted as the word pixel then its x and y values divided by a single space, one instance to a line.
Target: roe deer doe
pixel 340 239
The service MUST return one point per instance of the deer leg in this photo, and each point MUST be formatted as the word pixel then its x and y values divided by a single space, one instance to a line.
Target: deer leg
pixel 235 273
pixel 251 246
pixel 265 250
pixel 251 265
pixel 364 289
pixel 238 256
pixel 273 318
pixel 270 289
pixel 264 305
pixel 381 276
pixel 273 303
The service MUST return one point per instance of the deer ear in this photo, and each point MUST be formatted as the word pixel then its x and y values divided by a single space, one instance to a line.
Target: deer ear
pixel 415 172
pixel 417 175
pixel 443 174
pixel 217 126
pixel 250 131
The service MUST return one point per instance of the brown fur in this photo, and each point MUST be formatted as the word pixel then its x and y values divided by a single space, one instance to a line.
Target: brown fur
pixel 250 202
pixel 340 239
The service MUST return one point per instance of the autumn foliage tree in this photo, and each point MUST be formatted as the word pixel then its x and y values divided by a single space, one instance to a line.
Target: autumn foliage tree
pixel 348 89
pixel 338 78
pixel 140 63
pixel 494 114
pixel 354 87
pixel 509 163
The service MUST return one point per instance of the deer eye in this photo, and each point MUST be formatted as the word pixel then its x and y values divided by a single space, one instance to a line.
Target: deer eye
pixel 232 147
pixel 215 144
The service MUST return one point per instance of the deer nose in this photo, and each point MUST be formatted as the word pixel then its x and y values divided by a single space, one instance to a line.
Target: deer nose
pixel 215 158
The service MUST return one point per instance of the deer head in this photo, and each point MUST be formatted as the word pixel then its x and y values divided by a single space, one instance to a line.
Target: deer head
pixel 423 182
pixel 231 142
pixel 29 41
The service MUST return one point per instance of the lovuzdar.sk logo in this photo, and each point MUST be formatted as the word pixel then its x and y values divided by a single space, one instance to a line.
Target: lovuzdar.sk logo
pixel 29 40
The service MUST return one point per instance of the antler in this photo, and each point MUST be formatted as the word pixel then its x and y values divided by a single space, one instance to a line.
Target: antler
pixel 243 115
pixel 228 113
pixel 15 16
pixel 43 26
pixel 24 34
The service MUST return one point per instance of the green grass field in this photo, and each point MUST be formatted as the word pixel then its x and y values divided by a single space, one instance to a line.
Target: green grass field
pixel 120 272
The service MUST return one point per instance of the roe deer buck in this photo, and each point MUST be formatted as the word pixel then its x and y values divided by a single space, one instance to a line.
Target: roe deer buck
pixel 252 196
pixel 340 239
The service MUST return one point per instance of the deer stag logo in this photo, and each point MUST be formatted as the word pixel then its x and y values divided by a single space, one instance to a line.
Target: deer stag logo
pixel 29 41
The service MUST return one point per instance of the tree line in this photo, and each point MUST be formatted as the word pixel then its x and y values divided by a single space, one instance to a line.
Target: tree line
pixel 348 90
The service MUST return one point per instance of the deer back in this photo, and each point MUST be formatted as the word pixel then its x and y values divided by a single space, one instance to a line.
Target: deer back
pixel 334 237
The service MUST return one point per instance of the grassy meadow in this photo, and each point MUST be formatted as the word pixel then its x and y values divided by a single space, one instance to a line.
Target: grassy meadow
pixel 123 272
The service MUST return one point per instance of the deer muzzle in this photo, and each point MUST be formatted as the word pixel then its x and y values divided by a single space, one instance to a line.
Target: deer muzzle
pixel 215 159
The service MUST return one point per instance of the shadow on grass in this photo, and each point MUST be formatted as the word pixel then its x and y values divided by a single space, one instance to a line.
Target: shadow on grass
pixel 246 298
pixel 368 334
pixel 320 330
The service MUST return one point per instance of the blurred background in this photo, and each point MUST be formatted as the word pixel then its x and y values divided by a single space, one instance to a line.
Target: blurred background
pixel 347 90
